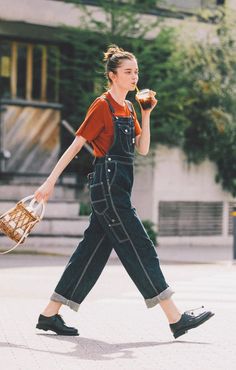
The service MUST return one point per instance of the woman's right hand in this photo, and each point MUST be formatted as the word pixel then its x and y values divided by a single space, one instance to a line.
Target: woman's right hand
pixel 44 191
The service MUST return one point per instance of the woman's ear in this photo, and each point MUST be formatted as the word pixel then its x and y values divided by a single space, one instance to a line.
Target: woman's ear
pixel 112 76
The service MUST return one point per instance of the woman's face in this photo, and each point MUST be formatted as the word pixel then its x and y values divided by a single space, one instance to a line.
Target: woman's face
pixel 126 76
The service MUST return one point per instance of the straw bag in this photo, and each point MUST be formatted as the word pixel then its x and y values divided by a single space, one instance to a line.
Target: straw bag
pixel 19 220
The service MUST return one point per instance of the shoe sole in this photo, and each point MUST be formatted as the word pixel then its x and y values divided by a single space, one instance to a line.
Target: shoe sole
pixel 184 331
pixel 42 327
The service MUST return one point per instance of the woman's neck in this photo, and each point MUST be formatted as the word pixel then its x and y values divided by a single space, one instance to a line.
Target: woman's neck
pixel 118 95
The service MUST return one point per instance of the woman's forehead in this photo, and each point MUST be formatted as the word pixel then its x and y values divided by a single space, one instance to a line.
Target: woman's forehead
pixel 129 64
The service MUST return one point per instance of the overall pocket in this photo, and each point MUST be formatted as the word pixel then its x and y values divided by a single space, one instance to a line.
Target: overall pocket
pixel 126 138
pixel 98 198
pixel 116 226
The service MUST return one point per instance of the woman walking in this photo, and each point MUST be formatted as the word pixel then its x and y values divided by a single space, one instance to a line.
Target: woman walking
pixel 111 126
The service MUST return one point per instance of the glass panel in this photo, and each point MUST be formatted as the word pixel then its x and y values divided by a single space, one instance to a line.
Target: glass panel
pixel 53 65
pixel 37 71
pixel 21 71
pixel 5 69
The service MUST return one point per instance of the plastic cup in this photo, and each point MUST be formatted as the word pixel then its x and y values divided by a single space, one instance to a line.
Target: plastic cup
pixel 145 98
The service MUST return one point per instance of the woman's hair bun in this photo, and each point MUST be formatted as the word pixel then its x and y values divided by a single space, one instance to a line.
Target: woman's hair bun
pixel 112 49
pixel 113 58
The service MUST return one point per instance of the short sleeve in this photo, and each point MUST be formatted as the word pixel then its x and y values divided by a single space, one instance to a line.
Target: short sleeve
pixel 93 123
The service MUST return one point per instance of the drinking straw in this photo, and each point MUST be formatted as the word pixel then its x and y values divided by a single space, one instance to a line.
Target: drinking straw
pixel 137 89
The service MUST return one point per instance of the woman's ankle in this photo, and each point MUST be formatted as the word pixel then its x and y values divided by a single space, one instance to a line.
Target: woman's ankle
pixel 51 309
pixel 171 311
pixel 175 319
pixel 49 313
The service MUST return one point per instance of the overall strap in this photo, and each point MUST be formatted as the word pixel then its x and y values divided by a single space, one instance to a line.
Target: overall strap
pixel 109 104
pixel 130 106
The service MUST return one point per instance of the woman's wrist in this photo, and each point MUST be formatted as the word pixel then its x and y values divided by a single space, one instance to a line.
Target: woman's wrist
pixel 50 181
pixel 145 113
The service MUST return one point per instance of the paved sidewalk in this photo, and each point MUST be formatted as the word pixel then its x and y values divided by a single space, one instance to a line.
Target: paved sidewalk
pixel 116 329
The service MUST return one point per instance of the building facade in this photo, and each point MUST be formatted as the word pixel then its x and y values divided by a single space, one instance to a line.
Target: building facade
pixel 29 74
pixel 183 200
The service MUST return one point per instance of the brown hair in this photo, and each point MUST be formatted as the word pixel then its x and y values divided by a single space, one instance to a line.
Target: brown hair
pixel 113 58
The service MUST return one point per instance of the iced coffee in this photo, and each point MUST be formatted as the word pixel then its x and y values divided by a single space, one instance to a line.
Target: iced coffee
pixel 145 98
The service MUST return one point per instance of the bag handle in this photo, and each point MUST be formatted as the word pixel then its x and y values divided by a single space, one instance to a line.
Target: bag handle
pixel 40 204
pixel 33 200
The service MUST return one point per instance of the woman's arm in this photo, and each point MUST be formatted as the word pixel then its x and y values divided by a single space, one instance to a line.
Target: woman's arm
pixel 46 189
pixel 142 141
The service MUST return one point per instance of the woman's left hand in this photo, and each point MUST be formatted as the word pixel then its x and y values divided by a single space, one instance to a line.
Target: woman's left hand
pixel 153 100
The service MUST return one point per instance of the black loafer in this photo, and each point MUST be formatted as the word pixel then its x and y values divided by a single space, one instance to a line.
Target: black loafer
pixel 56 324
pixel 189 321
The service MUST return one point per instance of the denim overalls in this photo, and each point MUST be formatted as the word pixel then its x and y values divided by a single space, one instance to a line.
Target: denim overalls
pixel 113 224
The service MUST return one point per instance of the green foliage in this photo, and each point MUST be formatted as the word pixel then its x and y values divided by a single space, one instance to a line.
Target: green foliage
pixel 85 209
pixel 150 229
pixel 196 88
pixel 212 79
pixel 161 69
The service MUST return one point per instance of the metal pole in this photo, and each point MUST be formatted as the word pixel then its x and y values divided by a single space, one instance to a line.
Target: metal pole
pixel 1 140
pixel 4 154
pixel 72 131
pixel 234 232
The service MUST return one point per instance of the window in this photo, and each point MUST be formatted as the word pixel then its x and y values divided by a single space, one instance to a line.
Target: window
pixel 5 69
pixel 53 58
pixel 21 71
pixel 190 218
pixel 37 67
pixel 29 71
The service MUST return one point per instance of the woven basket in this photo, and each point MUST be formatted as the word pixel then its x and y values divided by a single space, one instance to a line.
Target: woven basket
pixel 17 222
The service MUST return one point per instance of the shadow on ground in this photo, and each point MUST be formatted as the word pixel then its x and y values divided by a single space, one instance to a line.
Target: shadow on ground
pixel 96 350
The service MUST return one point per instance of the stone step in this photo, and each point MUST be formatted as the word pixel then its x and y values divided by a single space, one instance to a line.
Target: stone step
pixel 48 245
pixel 54 208
pixel 71 227
pixel 19 191
pixel 60 236
pixel 62 226
pixel 35 240
pixel 20 179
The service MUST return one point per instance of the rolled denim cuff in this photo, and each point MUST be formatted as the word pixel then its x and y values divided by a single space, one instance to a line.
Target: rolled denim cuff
pixel 59 298
pixel 166 294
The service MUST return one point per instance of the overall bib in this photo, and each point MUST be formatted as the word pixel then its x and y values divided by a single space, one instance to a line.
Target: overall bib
pixel 113 224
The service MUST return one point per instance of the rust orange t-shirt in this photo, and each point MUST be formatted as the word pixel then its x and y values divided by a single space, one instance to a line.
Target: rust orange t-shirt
pixel 97 127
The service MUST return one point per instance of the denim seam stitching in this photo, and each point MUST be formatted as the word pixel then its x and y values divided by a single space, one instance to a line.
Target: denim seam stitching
pixel 128 146
pixel 113 178
pixel 116 235
pixel 100 200
pixel 124 229
pixel 88 263
pixel 135 250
